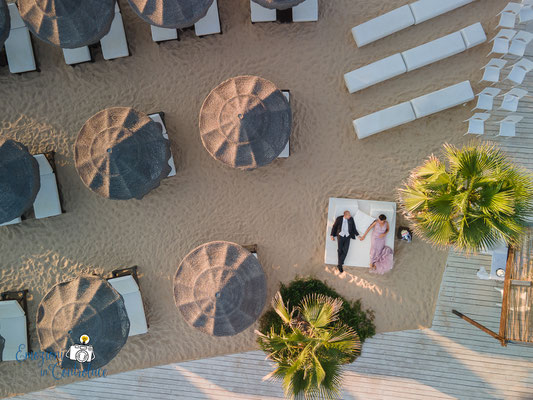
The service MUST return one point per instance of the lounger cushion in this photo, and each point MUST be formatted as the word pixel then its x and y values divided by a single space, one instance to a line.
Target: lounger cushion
pixel 427 9
pixel 473 35
pixel 210 24
pixel 77 56
pixel 376 72
pixel 18 46
pixel 14 16
pixel 261 14
pixel 433 51
pixel 383 120
pixel 129 290
pixel 47 202
pixel 363 221
pixel 163 34
pixel 12 329
pixel 114 44
pixel 384 25
pixel 442 99
pixel 306 11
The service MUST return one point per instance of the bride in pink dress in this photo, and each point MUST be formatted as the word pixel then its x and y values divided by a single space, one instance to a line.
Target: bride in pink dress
pixel 380 255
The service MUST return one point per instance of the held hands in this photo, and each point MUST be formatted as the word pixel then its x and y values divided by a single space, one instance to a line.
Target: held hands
pixel 361 238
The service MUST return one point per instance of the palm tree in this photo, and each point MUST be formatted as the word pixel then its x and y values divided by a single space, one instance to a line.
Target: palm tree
pixel 473 201
pixel 310 348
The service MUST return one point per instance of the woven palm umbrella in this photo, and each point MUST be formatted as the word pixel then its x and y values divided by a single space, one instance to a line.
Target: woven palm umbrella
pixel 68 23
pixel 220 288
pixel 278 4
pixel 245 122
pixel 175 14
pixel 87 305
pixel 120 153
pixel 19 180
pixel 5 22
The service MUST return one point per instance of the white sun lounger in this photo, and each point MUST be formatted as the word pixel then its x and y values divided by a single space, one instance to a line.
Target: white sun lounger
pixel 19 50
pixel 129 290
pixel 414 58
pixel 511 99
pixel 305 12
pixel 508 125
pixel 501 41
pixel 163 34
pixel 492 70
pixel 403 17
pixel 157 118
pixel 261 14
pixel 12 222
pixel 519 43
pixel 13 329
pixel 485 98
pixel 114 44
pixel 476 123
pixel 508 15
pixel 286 151
pixel 359 252
pixel 210 24
pixel 417 108
pixel 47 203
pixel 520 70
pixel 77 56
pixel 526 13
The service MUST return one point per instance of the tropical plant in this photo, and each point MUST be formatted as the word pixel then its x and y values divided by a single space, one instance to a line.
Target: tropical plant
pixel 472 201
pixel 310 347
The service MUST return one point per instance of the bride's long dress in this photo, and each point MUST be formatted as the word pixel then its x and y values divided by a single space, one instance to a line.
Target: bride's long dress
pixel 380 254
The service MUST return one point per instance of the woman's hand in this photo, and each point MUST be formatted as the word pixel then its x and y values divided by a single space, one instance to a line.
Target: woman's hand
pixel 361 238
pixel 382 235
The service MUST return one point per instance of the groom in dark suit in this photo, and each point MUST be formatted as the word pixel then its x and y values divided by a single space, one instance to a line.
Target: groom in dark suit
pixel 344 230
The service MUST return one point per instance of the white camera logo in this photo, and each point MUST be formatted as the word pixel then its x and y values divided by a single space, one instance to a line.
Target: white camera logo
pixel 81 352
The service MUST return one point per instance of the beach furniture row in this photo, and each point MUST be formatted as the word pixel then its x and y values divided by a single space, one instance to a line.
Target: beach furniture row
pixel 364 213
pixel 401 18
pixel 523 11
pixel 510 41
pixel 476 124
pixel 415 58
pixel 306 11
pixel 419 107
pixel 517 75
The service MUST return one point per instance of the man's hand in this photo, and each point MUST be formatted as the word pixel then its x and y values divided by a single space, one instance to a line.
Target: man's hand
pixel 333 238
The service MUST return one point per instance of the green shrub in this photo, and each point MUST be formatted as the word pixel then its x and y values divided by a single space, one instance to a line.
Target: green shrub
pixel 351 314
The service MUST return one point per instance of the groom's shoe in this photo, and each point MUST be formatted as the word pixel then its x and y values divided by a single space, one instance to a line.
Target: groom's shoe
pixel 340 268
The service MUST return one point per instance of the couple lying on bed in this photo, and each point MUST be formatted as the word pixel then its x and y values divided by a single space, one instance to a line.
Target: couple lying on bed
pixel 380 255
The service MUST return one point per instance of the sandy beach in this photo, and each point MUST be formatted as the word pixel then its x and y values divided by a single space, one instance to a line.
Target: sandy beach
pixel 281 207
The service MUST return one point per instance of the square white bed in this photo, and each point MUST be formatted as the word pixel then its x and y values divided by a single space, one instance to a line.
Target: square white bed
pixel 359 252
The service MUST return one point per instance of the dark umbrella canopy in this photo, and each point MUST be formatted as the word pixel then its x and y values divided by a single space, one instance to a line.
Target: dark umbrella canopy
pixel 278 4
pixel 19 180
pixel 68 23
pixel 245 122
pixel 87 305
pixel 220 288
pixel 5 22
pixel 176 14
pixel 121 154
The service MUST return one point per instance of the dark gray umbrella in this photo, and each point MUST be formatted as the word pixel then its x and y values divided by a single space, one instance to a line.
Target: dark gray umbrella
pixel 68 23
pixel 176 14
pixel 245 122
pixel 121 154
pixel 2 343
pixel 278 4
pixel 87 305
pixel 5 22
pixel 220 288
pixel 19 180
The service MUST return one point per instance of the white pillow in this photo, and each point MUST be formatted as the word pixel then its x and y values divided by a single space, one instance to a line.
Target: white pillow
pixel 362 221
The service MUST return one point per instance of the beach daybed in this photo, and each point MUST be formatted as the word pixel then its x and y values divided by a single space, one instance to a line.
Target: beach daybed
pixel 114 44
pixel 303 12
pixel 125 281
pixel 364 213
pixel 160 118
pixel 401 18
pixel 415 58
pixel 417 108
pixel 14 324
pixel 18 46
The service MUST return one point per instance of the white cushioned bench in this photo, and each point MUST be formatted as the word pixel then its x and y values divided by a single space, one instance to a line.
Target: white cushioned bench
pixel 427 9
pixel 376 72
pixel 384 25
pixel 433 51
pixel 443 99
pixel 384 119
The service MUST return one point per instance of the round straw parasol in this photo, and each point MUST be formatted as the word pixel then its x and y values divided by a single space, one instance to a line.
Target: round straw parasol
pixel 176 14
pixel 19 180
pixel 121 154
pixel 278 4
pixel 68 23
pixel 220 288
pixel 87 305
pixel 5 22
pixel 245 122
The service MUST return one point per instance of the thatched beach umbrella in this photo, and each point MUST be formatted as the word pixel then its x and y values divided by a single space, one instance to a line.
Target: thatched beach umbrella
pixel 175 14
pixel 5 22
pixel 87 305
pixel 278 4
pixel 220 288
pixel 19 180
pixel 245 122
pixel 68 23
pixel 121 154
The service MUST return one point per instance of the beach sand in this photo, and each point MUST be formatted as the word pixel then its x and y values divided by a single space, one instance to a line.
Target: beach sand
pixel 282 207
